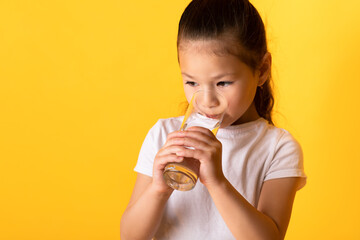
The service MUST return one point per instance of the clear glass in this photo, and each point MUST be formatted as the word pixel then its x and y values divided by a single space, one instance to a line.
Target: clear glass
pixel 206 109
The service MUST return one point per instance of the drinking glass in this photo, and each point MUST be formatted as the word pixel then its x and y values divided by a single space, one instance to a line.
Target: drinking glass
pixel 206 109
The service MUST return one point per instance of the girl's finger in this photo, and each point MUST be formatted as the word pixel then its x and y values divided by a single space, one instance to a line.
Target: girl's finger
pixel 203 130
pixel 161 161
pixel 170 150
pixel 206 133
pixel 174 141
pixel 200 134
pixel 197 144
pixel 192 153
pixel 174 134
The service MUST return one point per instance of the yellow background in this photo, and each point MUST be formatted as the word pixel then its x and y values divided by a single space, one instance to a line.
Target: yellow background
pixel 81 83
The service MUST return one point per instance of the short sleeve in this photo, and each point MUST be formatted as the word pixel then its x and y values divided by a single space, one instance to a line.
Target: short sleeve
pixel 287 160
pixel 151 145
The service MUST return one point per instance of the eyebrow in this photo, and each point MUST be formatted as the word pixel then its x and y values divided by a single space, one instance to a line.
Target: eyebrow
pixel 214 77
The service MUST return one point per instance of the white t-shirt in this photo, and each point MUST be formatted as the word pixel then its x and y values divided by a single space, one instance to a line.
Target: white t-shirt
pixel 253 152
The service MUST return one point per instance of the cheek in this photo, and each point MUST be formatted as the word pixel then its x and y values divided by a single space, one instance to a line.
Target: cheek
pixel 240 101
pixel 247 94
pixel 236 105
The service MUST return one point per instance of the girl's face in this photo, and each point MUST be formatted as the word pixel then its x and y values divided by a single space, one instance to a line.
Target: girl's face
pixel 226 74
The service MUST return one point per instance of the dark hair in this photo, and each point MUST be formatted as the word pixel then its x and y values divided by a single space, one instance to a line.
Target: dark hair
pixel 236 22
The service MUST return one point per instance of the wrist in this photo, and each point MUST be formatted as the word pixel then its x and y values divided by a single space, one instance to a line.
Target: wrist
pixel 220 183
pixel 160 192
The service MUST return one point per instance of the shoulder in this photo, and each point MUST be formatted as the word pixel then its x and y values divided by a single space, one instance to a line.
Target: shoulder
pixel 281 145
pixel 266 139
pixel 284 140
pixel 163 127
pixel 280 138
pixel 167 125
pixel 287 156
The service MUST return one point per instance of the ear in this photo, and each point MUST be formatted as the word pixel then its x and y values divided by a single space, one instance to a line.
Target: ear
pixel 264 69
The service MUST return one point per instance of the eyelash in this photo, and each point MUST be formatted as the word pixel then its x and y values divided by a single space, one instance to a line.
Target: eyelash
pixel 191 84
pixel 223 83
pixel 219 84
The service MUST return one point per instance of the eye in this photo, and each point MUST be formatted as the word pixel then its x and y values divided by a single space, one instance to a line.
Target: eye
pixel 191 84
pixel 223 83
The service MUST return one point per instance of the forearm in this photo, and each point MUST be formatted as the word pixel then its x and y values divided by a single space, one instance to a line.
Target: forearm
pixel 141 220
pixel 243 220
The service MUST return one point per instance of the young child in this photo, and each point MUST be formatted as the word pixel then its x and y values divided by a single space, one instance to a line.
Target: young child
pixel 249 172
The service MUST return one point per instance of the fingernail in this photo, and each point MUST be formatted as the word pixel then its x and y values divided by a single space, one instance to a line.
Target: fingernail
pixel 180 154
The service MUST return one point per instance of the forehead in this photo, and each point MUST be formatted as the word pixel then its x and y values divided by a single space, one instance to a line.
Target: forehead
pixel 211 47
pixel 206 57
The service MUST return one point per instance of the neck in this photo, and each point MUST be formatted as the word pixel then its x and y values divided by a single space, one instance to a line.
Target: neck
pixel 249 116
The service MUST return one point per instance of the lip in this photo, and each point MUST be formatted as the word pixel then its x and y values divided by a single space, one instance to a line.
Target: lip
pixel 213 116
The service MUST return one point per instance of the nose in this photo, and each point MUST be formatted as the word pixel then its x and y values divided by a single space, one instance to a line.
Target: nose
pixel 210 103
pixel 209 99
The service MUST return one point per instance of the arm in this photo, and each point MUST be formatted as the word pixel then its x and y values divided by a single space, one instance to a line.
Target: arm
pixel 143 214
pixel 268 221
pixel 147 205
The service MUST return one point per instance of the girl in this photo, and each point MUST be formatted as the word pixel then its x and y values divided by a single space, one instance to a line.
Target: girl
pixel 250 173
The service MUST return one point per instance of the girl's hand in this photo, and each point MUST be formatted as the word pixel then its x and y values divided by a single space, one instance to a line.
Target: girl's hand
pixel 207 149
pixel 167 154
